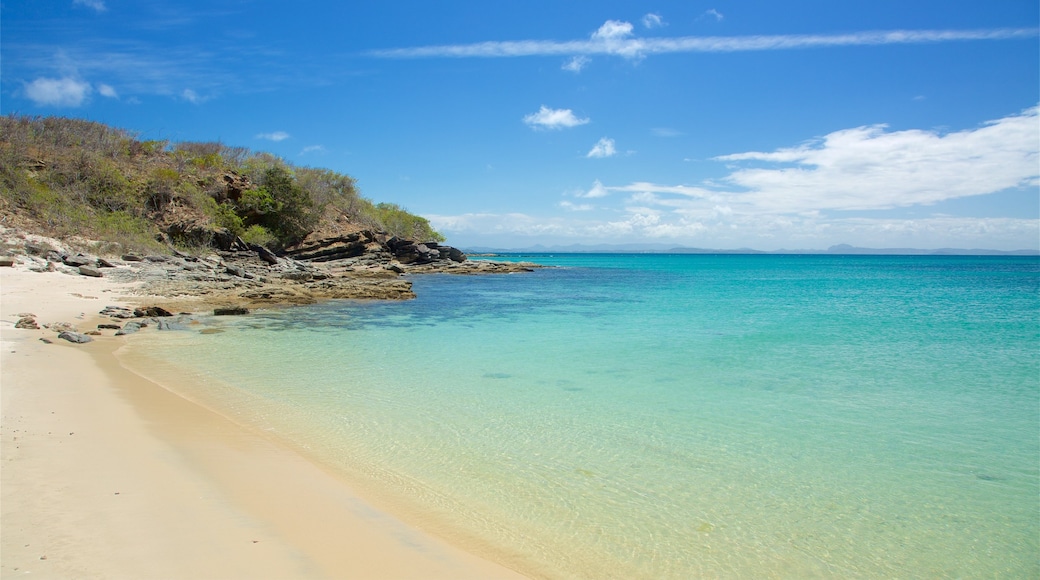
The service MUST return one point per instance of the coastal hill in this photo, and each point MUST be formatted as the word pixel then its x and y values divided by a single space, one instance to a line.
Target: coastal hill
pixel 71 177
pixel 204 221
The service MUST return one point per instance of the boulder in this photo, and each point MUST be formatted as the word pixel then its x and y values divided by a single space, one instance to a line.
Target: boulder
pixel 131 327
pixel 27 323
pixel 103 263
pixel 74 337
pixel 117 312
pixel 230 311
pixel 6 262
pixel 151 311
pixel 89 271
pixel 132 258
pixel 109 327
pixel 79 260
pixel 264 254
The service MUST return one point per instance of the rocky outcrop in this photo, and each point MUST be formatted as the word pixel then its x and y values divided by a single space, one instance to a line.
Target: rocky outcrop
pixel 75 337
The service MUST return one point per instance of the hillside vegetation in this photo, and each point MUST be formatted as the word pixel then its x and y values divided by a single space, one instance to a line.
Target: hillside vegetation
pixel 65 176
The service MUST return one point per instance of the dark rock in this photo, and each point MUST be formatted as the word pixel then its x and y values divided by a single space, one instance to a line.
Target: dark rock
pixel 89 271
pixel 456 255
pixel 157 258
pixel 131 258
pixel 230 311
pixel 223 239
pixel 46 341
pixel 264 254
pixel 131 327
pixel 6 262
pixel 190 231
pixel 103 263
pixel 79 260
pixel 93 333
pixel 236 271
pixel 117 312
pixel 109 327
pixel 27 323
pixel 151 311
pixel 74 337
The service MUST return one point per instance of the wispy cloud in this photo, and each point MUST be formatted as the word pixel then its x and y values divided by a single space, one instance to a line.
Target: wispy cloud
pixel 653 20
pixel 869 168
pixel 598 190
pixel 576 64
pixel 613 38
pixel 107 91
pixel 812 195
pixel 275 136
pixel 98 5
pixel 191 96
pixel 665 132
pixel 547 118
pixel 571 206
pixel 61 92
pixel 603 148
pixel 312 149
pixel 713 14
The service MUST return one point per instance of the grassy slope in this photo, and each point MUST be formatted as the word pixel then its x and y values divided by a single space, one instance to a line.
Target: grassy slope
pixel 63 176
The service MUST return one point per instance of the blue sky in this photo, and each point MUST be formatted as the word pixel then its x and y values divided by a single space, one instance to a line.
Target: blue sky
pixel 716 124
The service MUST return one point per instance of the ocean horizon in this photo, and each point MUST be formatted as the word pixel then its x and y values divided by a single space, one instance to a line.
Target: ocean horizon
pixel 667 415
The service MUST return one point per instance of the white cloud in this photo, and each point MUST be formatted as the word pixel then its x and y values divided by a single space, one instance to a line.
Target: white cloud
pixel 275 136
pixel 809 196
pixel 191 96
pixel 613 29
pixel 107 91
pixel 665 132
pixel 576 64
pixel 313 149
pixel 613 39
pixel 653 21
pixel 98 5
pixel 63 92
pixel 575 206
pixel 867 168
pixel 598 190
pixel 603 148
pixel 713 13
pixel 547 118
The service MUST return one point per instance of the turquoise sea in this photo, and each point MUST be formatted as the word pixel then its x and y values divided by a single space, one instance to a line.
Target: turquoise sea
pixel 669 416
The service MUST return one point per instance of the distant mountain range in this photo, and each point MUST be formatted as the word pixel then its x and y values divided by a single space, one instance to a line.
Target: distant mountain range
pixel 840 249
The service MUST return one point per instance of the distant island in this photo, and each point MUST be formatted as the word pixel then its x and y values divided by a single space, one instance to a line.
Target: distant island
pixel 838 250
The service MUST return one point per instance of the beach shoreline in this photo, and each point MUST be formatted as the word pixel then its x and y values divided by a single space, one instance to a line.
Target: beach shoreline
pixel 106 474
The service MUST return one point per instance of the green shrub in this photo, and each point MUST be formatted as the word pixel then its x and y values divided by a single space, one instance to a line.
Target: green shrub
pixel 257 234
pixel 225 216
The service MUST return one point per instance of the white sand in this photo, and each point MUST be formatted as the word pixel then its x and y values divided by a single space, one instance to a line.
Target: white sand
pixel 106 475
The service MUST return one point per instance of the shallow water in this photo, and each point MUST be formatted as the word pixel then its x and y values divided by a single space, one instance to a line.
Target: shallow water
pixel 656 416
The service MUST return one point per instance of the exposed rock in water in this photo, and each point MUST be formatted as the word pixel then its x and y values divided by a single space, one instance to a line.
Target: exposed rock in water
pixel 230 311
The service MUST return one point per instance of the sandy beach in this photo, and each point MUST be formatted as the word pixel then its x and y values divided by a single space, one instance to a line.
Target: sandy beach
pixel 107 475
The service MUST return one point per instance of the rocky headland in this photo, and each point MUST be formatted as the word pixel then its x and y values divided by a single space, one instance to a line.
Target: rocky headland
pixel 234 277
